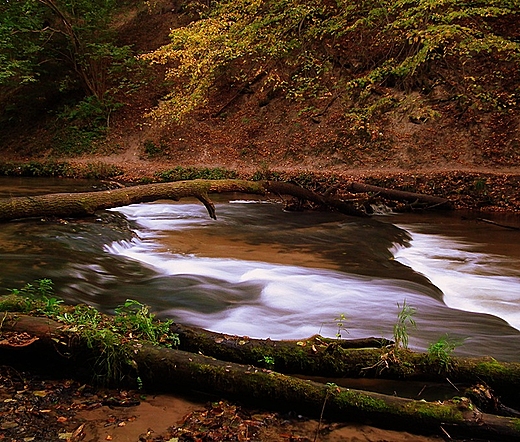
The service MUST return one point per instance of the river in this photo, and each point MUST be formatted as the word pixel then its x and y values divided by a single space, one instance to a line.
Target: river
pixel 263 272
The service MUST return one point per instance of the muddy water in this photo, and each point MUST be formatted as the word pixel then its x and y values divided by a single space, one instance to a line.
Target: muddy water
pixel 263 272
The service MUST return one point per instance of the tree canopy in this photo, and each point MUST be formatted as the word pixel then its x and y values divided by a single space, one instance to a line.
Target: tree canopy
pixel 68 40
pixel 465 48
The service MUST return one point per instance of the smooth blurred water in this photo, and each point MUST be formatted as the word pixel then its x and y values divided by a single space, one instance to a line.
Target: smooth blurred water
pixel 262 272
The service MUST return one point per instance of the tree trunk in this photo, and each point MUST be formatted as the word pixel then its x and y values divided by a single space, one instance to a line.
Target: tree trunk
pixel 168 370
pixel 336 358
pixel 87 203
pixel 174 370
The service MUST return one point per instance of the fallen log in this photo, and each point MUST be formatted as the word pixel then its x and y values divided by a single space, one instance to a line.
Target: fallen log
pixel 171 370
pixel 174 370
pixel 317 356
pixel 336 358
pixel 400 195
pixel 87 203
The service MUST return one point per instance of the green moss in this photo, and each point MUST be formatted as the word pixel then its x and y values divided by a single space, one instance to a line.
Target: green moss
pixel 490 368
pixel 433 411
pixel 15 303
pixel 360 401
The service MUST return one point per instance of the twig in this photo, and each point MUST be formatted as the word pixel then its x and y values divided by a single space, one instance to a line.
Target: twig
pixel 505 226
pixel 446 433
pixel 452 384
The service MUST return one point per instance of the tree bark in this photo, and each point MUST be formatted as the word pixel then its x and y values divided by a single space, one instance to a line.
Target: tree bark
pixel 87 203
pixel 169 370
pixel 174 370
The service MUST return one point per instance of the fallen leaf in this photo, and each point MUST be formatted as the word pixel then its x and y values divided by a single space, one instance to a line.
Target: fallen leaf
pixel 41 393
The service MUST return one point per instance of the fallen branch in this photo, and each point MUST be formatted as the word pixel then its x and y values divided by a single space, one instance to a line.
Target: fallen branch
pixel 505 226
pixel 399 195
pixel 87 203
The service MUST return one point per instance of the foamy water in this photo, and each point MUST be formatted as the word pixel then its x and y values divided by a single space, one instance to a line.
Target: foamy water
pixel 277 301
pixel 261 299
pixel 470 281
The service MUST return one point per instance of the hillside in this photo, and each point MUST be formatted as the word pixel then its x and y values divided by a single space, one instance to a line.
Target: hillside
pixel 333 94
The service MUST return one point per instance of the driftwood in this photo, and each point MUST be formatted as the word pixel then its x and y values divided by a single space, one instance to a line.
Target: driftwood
pixel 505 226
pixel 87 203
pixel 399 195
pixel 170 370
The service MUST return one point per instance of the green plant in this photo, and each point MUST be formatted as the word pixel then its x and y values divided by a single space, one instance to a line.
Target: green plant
pixel 112 340
pixel 440 352
pixel 268 361
pixel 340 324
pixel 404 320
pixel 151 149
pixel 480 186
pixel 135 319
pixel 86 122
pixel 38 296
pixel 192 173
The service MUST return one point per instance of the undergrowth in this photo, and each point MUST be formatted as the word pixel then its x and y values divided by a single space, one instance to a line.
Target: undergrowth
pixel 63 169
pixel 180 173
pixel 112 339
pixel 303 49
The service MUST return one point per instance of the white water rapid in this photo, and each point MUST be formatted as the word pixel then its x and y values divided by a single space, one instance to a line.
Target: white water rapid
pixel 260 297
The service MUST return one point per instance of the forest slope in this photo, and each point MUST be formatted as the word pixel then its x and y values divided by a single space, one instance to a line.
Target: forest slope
pixel 350 89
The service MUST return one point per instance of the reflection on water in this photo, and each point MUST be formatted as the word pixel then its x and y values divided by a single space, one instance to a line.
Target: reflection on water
pixel 262 272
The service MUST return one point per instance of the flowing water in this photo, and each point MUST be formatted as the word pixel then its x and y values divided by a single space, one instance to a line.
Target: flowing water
pixel 262 272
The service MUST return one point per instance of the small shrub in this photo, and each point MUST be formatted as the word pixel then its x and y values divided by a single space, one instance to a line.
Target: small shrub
pixel 440 352
pixel 151 149
pixel 180 173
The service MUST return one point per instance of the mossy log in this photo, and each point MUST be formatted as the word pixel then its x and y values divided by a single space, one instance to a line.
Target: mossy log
pixel 171 370
pixel 336 358
pixel 87 203
pixel 174 370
